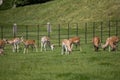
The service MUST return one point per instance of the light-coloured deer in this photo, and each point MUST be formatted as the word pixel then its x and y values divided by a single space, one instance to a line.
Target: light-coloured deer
pixel 96 43
pixel 1 51
pixel 75 41
pixel 28 43
pixel 45 42
pixel 111 42
pixel 15 42
pixel 66 46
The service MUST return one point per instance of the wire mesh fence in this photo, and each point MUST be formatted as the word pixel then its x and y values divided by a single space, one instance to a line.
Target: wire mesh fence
pixel 57 32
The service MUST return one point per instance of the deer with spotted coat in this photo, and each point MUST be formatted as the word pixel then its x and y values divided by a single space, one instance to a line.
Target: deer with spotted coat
pixel 45 42
pixel 15 42
pixel 75 41
pixel 111 42
pixel 29 43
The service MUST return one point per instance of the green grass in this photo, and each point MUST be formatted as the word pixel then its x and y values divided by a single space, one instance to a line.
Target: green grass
pixel 63 11
pixel 51 65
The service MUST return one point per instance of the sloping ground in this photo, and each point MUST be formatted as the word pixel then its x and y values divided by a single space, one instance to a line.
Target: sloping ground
pixel 63 11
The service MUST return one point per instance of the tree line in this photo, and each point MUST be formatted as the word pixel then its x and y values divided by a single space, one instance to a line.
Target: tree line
pixel 7 4
pixel 28 2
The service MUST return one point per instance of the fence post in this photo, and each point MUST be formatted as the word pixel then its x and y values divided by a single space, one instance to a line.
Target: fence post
pixel 48 28
pixel 26 32
pixel 116 28
pixel 1 32
pixel 109 27
pixel 14 30
pixel 68 30
pixel 76 29
pixel 59 34
pixel 101 30
pixel 86 33
pixel 38 34
pixel 93 29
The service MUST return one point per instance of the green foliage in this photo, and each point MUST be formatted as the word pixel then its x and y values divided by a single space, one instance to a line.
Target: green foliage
pixel 21 2
pixel 7 4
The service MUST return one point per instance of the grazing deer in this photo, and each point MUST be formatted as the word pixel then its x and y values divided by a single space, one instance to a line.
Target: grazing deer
pixel 66 46
pixel 45 42
pixel 96 43
pixel 15 44
pixel 111 42
pixel 27 44
pixel 76 41
pixel 1 51
pixel 2 43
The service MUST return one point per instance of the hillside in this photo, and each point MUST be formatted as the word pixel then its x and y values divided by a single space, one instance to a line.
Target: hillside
pixel 63 11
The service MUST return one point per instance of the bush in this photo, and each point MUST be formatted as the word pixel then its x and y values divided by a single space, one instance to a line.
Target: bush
pixel 7 4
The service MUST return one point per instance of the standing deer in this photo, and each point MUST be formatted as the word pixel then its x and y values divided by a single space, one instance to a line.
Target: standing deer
pixel 1 51
pixel 111 42
pixel 66 46
pixel 27 44
pixel 76 41
pixel 15 44
pixel 45 42
pixel 96 43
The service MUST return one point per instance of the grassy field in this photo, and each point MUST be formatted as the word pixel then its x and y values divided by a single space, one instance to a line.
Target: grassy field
pixel 63 11
pixel 51 65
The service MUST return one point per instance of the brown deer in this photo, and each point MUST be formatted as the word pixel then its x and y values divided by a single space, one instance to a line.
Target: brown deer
pixel 111 42
pixel 15 42
pixel 66 46
pixel 2 43
pixel 75 41
pixel 28 43
pixel 96 43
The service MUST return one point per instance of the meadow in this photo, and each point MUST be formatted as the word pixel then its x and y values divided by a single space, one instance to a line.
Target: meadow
pixel 51 65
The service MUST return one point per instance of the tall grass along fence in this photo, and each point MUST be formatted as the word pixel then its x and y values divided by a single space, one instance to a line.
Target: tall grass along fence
pixel 57 32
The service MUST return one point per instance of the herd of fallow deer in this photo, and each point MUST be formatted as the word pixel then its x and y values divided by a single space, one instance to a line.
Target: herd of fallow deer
pixel 67 44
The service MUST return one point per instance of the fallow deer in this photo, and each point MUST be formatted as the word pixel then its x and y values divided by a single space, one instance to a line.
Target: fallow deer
pixel 28 43
pixel 76 41
pixel 66 46
pixel 111 42
pixel 2 43
pixel 45 42
pixel 96 43
pixel 15 42
pixel 1 51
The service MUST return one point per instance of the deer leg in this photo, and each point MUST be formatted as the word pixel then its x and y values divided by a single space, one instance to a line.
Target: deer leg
pixel 41 46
